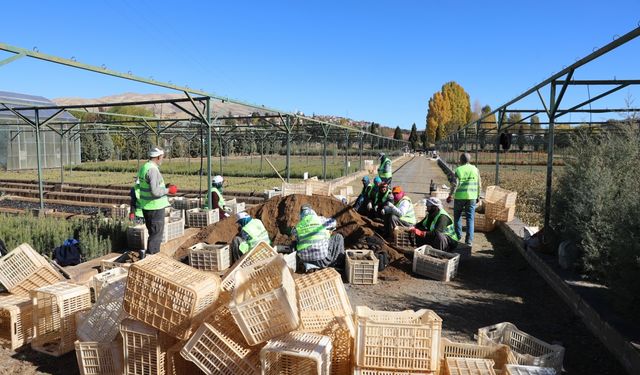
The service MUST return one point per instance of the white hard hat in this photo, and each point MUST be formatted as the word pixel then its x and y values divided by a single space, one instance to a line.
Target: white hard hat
pixel 433 201
pixel 155 152
pixel 241 215
pixel 217 179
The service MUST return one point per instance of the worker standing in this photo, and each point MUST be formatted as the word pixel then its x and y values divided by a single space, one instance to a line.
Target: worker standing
pixel 315 245
pixel 465 191
pixel 252 231
pixel 217 201
pixel 135 210
pixel 153 199
pixel 401 213
pixel 436 230
pixel 384 169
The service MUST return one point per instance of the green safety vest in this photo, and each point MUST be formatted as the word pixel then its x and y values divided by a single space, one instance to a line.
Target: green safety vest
pixel 147 201
pixel 310 230
pixel 410 216
pixel 138 211
pixel 468 178
pixel 449 231
pixel 381 168
pixel 366 191
pixel 384 197
pixel 220 199
pixel 256 233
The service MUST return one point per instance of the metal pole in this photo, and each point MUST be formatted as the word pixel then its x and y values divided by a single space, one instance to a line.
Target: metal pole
pixel 220 149
pixel 324 153
pixel 61 158
pixel 552 115
pixel 287 125
pixel 346 154
pixel 477 140
pixel 40 187
pixel 360 151
pixel 497 143
pixel 209 186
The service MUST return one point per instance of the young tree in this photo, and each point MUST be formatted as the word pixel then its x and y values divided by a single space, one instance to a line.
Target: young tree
pixel 413 137
pixel 105 146
pixel 521 140
pixel 438 116
pixel 397 134
pixel 88 147
pixel 460 106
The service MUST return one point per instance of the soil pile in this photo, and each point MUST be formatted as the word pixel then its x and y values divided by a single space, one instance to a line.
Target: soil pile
pixel 279 214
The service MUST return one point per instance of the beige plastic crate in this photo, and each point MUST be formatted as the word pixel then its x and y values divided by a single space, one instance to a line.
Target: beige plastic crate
pixel 264 300
pixel 120 211
pixel 167 294
pixel 102 322
pixel 497 212
pixel 435 264
pixel 528 370
pixel 440 194
pixel 23 269
pixel 527 349
pixel 173 228
pixel 177 364
pixel 420 209
pixel 182 203
pixel 361 267
pixel 235 206
pixel 499 354
pixel 54 322
pixel 500 196
pixel 322 290
pixel 260 252
pixel 482 223
pixel 144 348
pixel 16 325
pixel 212 258
pixel 468 366
pixel 201 217
pixel 302 188
pixel 107 277
pixel 397 340
pixel 299 353
pixel 97 358
pixel 372 371
pixel 319 187
pixel 404 239
pixel 340 329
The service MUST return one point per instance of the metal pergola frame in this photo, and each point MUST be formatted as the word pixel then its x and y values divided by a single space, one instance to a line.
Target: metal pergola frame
pixel 197 108
pixel 557 84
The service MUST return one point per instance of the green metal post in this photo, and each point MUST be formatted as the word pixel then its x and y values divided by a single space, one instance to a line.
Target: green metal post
pixel 500 119
pixel 346 154
pixel 287 125
pixel 477 140
pixel 40 187
pixel 324 152
pixel 361 148
pixel 208 118
pixel 61 157
pixel 552 115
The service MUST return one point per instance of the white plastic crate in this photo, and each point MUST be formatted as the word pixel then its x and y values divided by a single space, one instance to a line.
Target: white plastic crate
pixel 201 217
pixel 299 353
pixel 16 325
pixel 211 258
pixel 235 206
pixel 107 277
pixel 144 348
pixel 435 264
pixel 102 322
pixel 97 358
pixel 259 252
pixel 528 370
pixel 23 269
pixel 120 211
pixel 268 194
pixel 182 203
pixel 499 354
pixel 468 366
pixel 172 229
pixel 373 371
pixel 361 267
pixel 340 329
pixel 322 291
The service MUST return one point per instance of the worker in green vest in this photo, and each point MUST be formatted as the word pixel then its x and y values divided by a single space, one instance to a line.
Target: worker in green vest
pixel 252 231
pixel 436 230
pixel 384 169
pixel 382 199
pixel 465 191
pixel 316 247
pixel 400 213
pixel 153 199
pixel 365 196
pixel 135 210
pixel 217 201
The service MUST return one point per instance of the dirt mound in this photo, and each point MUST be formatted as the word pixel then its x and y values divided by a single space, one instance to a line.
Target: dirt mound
pixel 281 213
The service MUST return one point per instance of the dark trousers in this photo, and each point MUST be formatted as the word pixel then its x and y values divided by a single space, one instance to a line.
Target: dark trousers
pixel 438 241
pixel 235 248
pixel 154 221
pixel 391 222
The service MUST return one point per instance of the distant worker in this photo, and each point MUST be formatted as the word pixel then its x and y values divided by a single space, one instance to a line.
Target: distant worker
pixel 252 231
pixel 384 169
pixel 382 199
pixel 216 198
pixel 436 230
pixel 316 247
pixel 465 191
pixel 365 196
pixel 153 199
pixel 400 213
pixel 135 210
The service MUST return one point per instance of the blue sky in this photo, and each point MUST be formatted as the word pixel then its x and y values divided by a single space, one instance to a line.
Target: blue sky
pixel 374 60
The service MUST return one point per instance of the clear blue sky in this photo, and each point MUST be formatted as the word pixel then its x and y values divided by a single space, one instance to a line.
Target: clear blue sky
pixel 369 60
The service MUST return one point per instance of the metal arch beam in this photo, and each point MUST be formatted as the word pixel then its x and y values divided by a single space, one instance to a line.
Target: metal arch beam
pixel 12 59
pixel 602 95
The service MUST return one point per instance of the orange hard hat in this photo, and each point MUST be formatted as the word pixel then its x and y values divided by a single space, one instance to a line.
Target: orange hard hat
pixel 396 189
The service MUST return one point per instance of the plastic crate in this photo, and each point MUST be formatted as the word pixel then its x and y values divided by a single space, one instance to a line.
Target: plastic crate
pixel 264 300
pixel 292 261
pixel 527 349
pixel 102 322
pixel 361 267
pixel 167 294
pixel 16 324
pixel 322 290
pixel 213 258
pixel 268 194
pixel 398 340
pixel 468 366
pixel 420 209
pixel 500 196
pixel 319 187
pixel 181 203
pixel 482 223
pixel 137 237
pixel 435 264
pixel 499 213
pixel 373 371
pixel 440 194
pixel 302 188
pixel 259 252
pixel 299 353
pixel 107 277
pixel 144 348
pixel 98 358
pixel 173 228
pixel 117 261
pixel 201 217
pixel 120 211
pixel 340 329
pixel 178 365
pixel 23 269
pixel 54 310
pixel 404 239
pixel 499 354
pixel 528 370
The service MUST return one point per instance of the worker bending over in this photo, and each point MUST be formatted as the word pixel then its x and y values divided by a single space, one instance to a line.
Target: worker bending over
pixel 384 169
pixel 217 201
pixel 400 213
pixel 436 230
pixel 316 247
pixel 252 231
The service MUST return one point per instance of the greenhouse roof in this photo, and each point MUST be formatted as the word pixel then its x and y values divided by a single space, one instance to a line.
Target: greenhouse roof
pixel 15 101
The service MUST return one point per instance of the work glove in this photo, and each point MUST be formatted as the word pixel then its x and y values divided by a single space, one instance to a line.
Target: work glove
pixel 226 209
pixel 449 199
pixel 369 206
pixel 418 232
pixel 173 189
pixel 132 216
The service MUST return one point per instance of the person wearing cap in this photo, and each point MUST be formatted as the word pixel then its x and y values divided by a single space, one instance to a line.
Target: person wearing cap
pixel 365 196
pixel 465 191
pixel 384 169
pixel 252 231
pixel 316 247
pixel 217 201
pixel 400 213
pixel 153 199
pixel 382 198
pixel 135 209
pixel 436 230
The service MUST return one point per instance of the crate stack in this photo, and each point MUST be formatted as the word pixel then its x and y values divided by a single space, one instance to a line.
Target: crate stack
pixel 500 204
pixel 201 217
pixel 183 204
pixel 137 235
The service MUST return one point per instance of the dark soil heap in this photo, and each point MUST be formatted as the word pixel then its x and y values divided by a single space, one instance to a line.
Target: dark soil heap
pixel 281 213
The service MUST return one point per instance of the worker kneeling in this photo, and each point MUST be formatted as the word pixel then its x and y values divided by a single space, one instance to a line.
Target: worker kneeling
pixel 398 213
pixel 252 231
pixel 316 247
pixel 436 230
